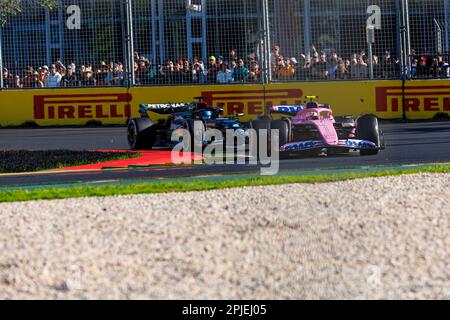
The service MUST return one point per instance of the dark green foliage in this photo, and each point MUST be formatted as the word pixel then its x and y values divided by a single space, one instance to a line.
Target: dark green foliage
pixel 29 161
pixel 10 8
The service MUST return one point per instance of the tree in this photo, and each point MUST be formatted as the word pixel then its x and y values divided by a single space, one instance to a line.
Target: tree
pixel 9 8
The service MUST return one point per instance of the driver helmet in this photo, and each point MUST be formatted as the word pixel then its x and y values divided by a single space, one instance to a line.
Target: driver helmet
pixel 312 105
pixel 207 115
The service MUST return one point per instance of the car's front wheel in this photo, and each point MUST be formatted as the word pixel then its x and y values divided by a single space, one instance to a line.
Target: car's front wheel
pixel 140 135
pixel 368 129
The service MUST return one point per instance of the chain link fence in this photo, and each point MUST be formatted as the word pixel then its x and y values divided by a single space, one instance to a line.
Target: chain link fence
pixel 328 40
pixel 101 43
pixel 429 38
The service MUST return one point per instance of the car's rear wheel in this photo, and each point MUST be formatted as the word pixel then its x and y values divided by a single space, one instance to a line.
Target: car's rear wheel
pixel 140 134
pixel 283 129
pixel 261 128
pixel 368 129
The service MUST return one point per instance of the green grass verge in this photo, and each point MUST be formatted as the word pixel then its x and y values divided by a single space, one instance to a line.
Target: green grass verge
pixel 199 185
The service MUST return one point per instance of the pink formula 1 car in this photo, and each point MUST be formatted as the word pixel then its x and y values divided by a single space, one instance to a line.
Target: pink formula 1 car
pixel 313 129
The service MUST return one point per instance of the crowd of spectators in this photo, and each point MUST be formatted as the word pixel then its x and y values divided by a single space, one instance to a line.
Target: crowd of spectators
pixel 231 69
pixel 426 66
pixel 314 65
pixel 59 75
pixel 322 66
pixel 318 65
pixel 218 69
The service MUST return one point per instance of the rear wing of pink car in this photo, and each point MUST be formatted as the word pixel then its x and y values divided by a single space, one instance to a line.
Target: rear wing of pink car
pixel 286 110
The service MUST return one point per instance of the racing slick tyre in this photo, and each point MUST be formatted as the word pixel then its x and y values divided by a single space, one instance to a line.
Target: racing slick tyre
pixel 368 129
pixel 284 135
pixel 259 125
pixel 197 131
pixel 140 134
pixel 283 128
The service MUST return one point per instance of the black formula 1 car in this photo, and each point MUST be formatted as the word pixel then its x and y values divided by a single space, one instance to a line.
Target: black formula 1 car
pixel 193 117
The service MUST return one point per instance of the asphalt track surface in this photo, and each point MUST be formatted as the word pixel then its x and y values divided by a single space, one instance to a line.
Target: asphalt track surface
pixel 406 143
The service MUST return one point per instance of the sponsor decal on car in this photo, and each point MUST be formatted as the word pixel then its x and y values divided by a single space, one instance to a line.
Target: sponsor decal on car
pixel 82 106
pixel 359 144
pixel 287 109
pixel 302 146
pixel 165 106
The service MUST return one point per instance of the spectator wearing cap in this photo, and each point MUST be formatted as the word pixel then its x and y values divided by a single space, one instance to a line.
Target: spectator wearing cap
pixel 220 62
pixel 212 69
pixel 422 69
pixel 88 79
pixel 43 73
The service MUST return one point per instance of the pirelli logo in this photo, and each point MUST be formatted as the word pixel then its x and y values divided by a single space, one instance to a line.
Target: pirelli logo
pixel 417 99
pixel 82 106
pixel 252 102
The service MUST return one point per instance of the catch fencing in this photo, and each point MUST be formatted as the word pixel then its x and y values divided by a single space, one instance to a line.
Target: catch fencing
pixel 124 43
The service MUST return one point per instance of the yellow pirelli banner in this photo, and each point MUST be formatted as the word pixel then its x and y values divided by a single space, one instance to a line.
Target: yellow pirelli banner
pixel 385 99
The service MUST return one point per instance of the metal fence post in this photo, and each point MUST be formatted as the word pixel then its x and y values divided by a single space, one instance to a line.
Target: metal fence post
pixel 370 42
pixel 162 36
pixel 1 61
pixel 405 50
pixel 407 40
pixel 447 26
pixel 130 43
pixel 307 26
pixel 266 47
